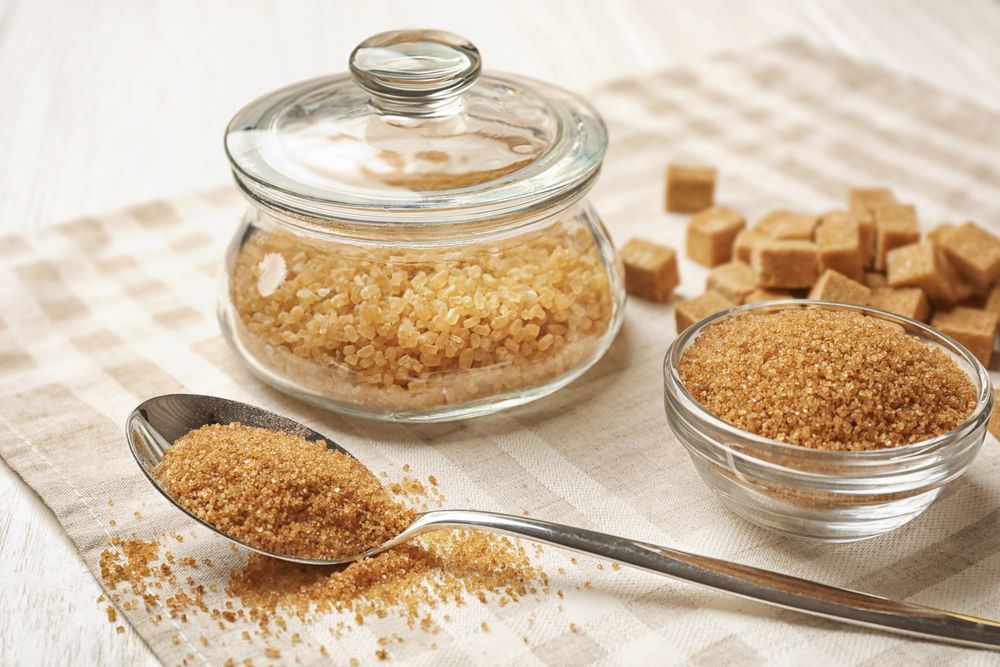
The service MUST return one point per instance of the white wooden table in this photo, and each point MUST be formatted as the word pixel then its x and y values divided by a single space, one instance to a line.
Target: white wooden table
pixel 103 104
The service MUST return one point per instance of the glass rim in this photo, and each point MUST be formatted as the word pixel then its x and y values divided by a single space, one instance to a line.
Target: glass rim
pixel 983 400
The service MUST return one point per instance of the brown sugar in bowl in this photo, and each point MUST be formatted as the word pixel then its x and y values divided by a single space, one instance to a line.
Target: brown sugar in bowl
pixel 830 495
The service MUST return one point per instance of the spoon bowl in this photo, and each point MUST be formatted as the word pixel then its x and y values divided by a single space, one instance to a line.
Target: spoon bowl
pixel 158 422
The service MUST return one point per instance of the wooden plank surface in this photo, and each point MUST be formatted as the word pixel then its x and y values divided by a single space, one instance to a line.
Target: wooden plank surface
pixel 107 103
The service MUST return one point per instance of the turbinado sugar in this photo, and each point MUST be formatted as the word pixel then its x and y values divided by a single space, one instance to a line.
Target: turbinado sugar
pixel 385 328
pixel 409 580
pixel 826 379
pixel 280 492
pixel 265 597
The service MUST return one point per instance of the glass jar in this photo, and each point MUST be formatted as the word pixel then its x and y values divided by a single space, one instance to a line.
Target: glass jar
pixel 419 246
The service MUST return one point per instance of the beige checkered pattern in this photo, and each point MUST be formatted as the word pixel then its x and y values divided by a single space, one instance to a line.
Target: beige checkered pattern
pixel 101 313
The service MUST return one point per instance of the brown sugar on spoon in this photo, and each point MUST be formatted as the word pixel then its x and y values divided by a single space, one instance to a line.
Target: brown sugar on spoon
pixel 826 379
pixel 280 492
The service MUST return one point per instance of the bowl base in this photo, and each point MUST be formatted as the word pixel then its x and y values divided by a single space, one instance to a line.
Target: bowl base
pixel 819 524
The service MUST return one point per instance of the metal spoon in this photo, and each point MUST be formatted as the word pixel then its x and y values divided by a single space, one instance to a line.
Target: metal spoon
pixel 156 423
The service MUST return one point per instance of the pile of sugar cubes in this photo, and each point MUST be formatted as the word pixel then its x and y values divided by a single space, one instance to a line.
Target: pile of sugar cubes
pixel 871 254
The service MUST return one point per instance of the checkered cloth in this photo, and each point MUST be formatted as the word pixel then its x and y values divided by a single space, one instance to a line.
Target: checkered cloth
pixel 100 313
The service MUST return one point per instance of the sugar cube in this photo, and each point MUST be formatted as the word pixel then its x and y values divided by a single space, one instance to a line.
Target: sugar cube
pixel 733 280
pixel 650 269
pixel 690 189
pixel 787 225
pixel 895 225
pixel 973 251
pixel 906 301
pixel 835 286
pixel 838 239
pixel 875 279
pixel 786 264
pixel 923 265
pixel 973 328
pixel 711 233
pixel 689 311
pixel 866 200
pixel 761 294
pixel 744 243
pixel 992 302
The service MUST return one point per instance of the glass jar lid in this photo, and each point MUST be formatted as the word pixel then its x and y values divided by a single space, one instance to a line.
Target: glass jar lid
pixel 415 133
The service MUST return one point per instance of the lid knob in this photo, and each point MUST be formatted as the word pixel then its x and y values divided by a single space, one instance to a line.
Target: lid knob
pixel 416 72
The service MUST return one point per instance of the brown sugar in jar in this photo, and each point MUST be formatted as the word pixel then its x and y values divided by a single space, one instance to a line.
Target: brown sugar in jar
pixel 826 379
pixel 410 330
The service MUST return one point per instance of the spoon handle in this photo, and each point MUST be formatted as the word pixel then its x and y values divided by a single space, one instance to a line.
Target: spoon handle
pixel 772 588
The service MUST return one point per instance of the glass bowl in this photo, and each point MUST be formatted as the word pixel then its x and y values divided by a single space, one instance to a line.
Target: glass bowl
pixel 827 496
